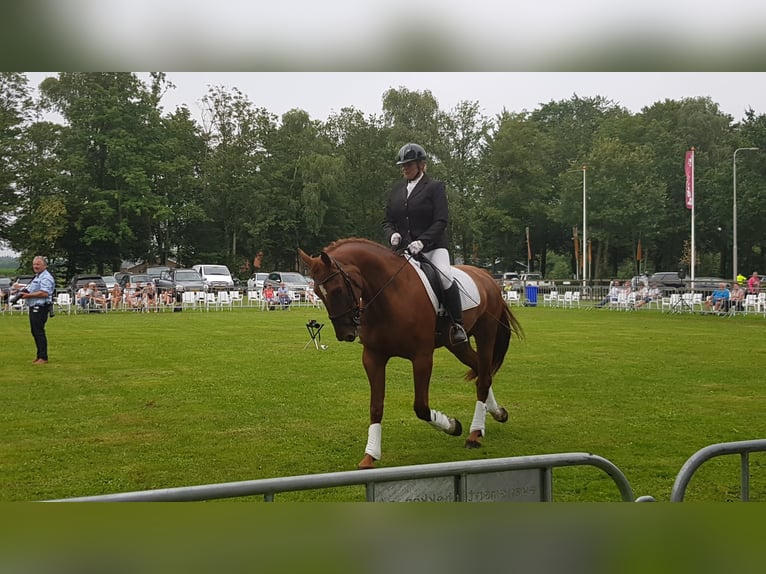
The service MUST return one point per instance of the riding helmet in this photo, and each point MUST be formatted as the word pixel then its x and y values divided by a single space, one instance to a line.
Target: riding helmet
pixel 411 152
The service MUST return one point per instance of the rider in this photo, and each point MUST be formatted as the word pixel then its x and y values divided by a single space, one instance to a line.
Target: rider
pixel 417 213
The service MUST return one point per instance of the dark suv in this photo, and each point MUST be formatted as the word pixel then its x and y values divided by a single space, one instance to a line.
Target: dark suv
pixel 180 280
pixel 667 280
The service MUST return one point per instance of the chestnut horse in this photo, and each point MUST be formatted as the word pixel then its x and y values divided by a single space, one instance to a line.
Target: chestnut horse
pixel 375 294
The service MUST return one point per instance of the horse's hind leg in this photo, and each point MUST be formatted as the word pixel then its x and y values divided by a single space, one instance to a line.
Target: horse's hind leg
pixel 480 362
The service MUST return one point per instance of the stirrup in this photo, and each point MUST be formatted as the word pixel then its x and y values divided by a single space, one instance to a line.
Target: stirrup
pixel 457 334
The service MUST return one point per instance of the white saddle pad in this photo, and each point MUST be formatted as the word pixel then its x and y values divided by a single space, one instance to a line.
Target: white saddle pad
pixel 469 293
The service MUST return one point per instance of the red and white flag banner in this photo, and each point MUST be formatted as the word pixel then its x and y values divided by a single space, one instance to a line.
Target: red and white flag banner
pixel 689 168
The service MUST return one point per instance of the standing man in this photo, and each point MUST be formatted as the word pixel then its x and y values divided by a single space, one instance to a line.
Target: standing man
pixel 39 297
pixel 417 214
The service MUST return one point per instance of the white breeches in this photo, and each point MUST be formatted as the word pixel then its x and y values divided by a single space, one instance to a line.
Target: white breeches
pixel 440 259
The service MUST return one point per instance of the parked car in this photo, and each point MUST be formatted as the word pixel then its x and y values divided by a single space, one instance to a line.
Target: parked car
pixel 180 280
pixel 295 282
pixel 535 279
pixel 134 278
pixel 255 283
pixel 83 280
pixel 5 288
pixel 110 281
pixel 667 280
pixel 215 277
pixel 706 283
pixel 510 280
pixel 156 271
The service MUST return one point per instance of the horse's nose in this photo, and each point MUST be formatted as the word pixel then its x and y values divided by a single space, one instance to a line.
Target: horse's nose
pixel 349 338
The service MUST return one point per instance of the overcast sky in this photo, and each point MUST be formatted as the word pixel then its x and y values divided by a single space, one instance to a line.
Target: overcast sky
pixel 321 93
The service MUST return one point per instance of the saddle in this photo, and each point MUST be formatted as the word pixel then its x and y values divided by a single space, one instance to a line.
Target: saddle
pixel 432 274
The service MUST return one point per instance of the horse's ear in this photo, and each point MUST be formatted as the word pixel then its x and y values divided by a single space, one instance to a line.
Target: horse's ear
pixel 325 259
pixel 305 257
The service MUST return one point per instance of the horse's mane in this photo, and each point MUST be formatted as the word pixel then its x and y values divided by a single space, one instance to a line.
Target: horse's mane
pixel 340 242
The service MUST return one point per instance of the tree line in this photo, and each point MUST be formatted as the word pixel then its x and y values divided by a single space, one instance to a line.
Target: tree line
pixel 121 179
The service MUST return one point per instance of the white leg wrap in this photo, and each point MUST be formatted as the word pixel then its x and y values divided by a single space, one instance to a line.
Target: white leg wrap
pixel 373 441
pixel 479 417
pixel 439 420
pixel 491 402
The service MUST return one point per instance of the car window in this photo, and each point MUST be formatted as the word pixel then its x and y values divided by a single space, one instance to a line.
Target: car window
pixel 187 276
pixel 296 278
pixel 215 270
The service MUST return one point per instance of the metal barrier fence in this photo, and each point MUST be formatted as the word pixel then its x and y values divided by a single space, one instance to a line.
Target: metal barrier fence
pixel 524 478
pixel 743 448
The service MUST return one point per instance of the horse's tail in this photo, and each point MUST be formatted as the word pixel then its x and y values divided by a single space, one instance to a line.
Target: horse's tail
pixel 507 326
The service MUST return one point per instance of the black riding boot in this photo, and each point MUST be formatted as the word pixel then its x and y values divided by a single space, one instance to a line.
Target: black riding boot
pixel 457 333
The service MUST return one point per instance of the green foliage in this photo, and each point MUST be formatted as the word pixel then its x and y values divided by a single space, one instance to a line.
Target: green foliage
pixel 121 179
pixel 140 401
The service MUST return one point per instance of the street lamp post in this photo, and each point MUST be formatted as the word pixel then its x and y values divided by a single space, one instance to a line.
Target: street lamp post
pixel 584 230
pixel 734 207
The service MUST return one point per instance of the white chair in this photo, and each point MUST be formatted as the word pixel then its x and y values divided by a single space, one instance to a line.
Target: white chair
pixel 188 300
pixel 224 300
pixel 697 302
pixel 513 297
pixel 666 304
pixel 551 299
pixel 575 301
pixel 750 305
pixel 565 300
pixel 236 298
pixel 64 303
pixel 254 298
pixel 211 301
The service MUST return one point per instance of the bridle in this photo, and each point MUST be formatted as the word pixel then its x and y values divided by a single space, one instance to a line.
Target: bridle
pixel 356 307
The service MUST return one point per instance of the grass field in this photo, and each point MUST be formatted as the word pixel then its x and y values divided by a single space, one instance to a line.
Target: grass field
pixel 141 401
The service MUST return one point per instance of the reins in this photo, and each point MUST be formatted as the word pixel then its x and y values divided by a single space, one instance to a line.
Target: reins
pixel 355 307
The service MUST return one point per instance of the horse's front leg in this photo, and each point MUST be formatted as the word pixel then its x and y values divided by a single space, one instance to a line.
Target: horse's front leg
pixel 422 367
pixel 375 367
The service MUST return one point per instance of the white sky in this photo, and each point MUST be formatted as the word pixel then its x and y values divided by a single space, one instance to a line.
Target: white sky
pixel 321 93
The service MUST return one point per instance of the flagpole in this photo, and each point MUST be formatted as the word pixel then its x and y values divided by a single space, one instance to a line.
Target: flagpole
pixel 584 228
pixel 694 203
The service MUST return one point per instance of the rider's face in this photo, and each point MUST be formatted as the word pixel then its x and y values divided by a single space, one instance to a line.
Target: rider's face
pixel 410 170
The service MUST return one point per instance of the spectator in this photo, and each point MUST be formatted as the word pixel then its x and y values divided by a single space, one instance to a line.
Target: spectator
pixel 83 296
pixel 648 295
pixel 718 300
pixel 167 297
pixel 612 295
pixel 736 297
pixel 150 296
pixel 283 294
pixel 754 284
pixel 97 298
pixel 115 297
pixel 132 296
pixel 269 297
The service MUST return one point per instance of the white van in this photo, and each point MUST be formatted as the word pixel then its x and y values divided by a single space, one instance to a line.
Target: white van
pixel 215 277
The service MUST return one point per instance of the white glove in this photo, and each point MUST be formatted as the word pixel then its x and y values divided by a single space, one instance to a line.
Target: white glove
pixel 415 247
pixel 395 239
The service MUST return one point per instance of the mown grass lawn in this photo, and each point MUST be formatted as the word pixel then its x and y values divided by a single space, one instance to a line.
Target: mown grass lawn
pixel 140 401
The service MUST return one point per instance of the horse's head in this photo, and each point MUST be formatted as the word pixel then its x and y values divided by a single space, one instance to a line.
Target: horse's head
pixel 340 289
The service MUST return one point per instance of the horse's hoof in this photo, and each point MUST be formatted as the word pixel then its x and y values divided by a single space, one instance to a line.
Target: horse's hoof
pixel 456 429
pixel 501 415
pixel 366 463
pixel 472 443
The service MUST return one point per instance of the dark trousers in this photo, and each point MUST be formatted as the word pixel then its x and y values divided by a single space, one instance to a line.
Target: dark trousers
pixel 38 316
